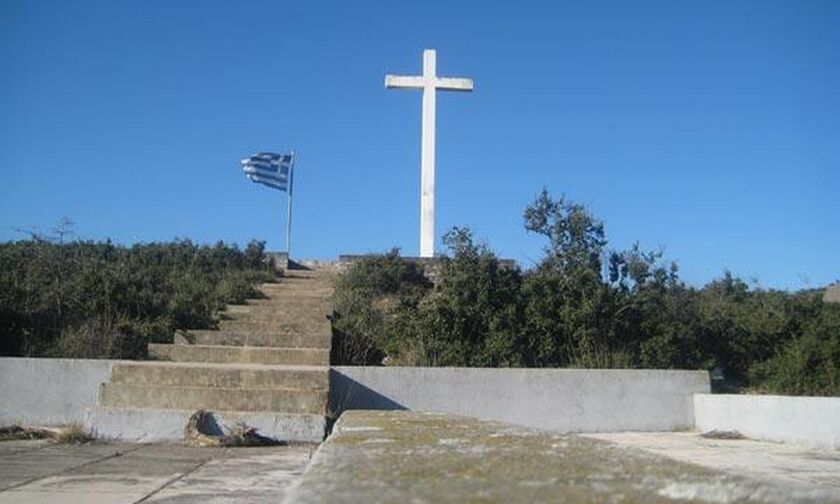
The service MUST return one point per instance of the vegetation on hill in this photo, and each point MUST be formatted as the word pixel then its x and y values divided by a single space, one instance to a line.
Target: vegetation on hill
pixel 584 305
pixel 99 300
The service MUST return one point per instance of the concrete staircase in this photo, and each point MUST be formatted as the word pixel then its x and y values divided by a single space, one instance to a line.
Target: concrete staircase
pixel 266 366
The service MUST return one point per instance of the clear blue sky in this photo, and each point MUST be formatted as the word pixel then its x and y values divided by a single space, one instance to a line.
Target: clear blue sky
pixel 710 129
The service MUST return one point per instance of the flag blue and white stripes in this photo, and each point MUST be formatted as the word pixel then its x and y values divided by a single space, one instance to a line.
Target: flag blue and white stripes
pixel 270 169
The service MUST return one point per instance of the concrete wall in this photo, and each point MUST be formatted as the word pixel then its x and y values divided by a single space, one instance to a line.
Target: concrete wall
pixel 809 420
pixel 569 400
pixel 60 391
pixel 53 392
pixel 281 259
pixel 49 391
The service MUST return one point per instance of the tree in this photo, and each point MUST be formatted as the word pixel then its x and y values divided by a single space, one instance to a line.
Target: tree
pixel 576 238
pixel 474 317
pixel 376 301
pixel 565 296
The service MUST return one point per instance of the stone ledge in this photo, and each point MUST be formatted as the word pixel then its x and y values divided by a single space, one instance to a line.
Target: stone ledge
pixel 376 456
pixel 155 425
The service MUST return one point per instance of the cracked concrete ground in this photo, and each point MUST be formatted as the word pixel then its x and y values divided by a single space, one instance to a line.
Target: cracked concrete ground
pixel 42 472
pixel 791 464
pixel 400 457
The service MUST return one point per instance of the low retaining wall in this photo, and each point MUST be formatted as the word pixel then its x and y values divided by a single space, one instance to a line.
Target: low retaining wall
pixel 49 392
pixel 54 392
pixel 569 400
pixel 60 391
pixel 809 420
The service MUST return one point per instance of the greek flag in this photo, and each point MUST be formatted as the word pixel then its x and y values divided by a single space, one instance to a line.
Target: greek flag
pixel 267 168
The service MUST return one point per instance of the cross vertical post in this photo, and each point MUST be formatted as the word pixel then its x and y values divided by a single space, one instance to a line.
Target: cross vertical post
pixel 427 157
pixel 429 82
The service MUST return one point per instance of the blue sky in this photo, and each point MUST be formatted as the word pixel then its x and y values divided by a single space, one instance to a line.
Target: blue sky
pixel 710 129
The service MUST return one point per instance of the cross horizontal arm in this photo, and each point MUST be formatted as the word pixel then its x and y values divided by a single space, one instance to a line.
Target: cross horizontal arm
pixel 454 84
pixel 404 81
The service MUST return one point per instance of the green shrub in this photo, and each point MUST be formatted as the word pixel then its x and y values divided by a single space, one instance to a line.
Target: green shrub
pixel 583 305
pixel 367 299
pixel 100 300
pixel 386 307
pixel 237 287
pixel 102 338
pixel 808 364
pixel 473 317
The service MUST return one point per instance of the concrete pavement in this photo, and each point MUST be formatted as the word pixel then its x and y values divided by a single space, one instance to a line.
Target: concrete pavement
pixel 787 463
pixel 36 472
pixel 403 456
pixel 397 457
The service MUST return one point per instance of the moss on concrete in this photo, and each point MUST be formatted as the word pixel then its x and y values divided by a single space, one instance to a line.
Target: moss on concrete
pixel 378 456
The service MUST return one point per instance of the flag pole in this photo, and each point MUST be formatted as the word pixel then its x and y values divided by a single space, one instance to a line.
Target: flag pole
pixel 289 208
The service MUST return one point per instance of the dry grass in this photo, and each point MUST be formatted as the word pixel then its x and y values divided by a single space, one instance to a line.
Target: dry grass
pixel 74 433
pixel 722 434
pixel 18 432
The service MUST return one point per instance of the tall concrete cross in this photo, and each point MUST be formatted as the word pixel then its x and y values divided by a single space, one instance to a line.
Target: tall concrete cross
pixel 429 82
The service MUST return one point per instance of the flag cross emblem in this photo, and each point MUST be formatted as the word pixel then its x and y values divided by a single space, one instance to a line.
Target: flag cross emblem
pixel 274 171
pixel 270 169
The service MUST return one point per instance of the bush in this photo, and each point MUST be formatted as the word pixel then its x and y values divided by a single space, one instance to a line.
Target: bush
pixel 386 307
pixel 103 339
pixel 583 306
pixel 473 318
pixel 367 299
pixel 100 300
pixel 808 364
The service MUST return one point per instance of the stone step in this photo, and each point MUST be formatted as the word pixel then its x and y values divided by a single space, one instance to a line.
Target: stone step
pixel 321 326
pixel 298 283
pixel 296 273
pixel 279 324
pixel 298 288
pixel 280 314
pixel 155 425
pixel 268 313
pixel 287 303
pixel 311 291
pixel 241 355
pixel 246 376
pixel 261 338
pixel 236 310
pixel 119 395
pixel 288 298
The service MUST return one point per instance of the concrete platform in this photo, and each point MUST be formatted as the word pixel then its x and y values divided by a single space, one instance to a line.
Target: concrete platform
pixel 425 458
pixel 794 464
pixel 36 472
pixel 397 457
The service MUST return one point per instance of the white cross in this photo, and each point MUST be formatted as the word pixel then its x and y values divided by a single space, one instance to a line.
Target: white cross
pixel 429 82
